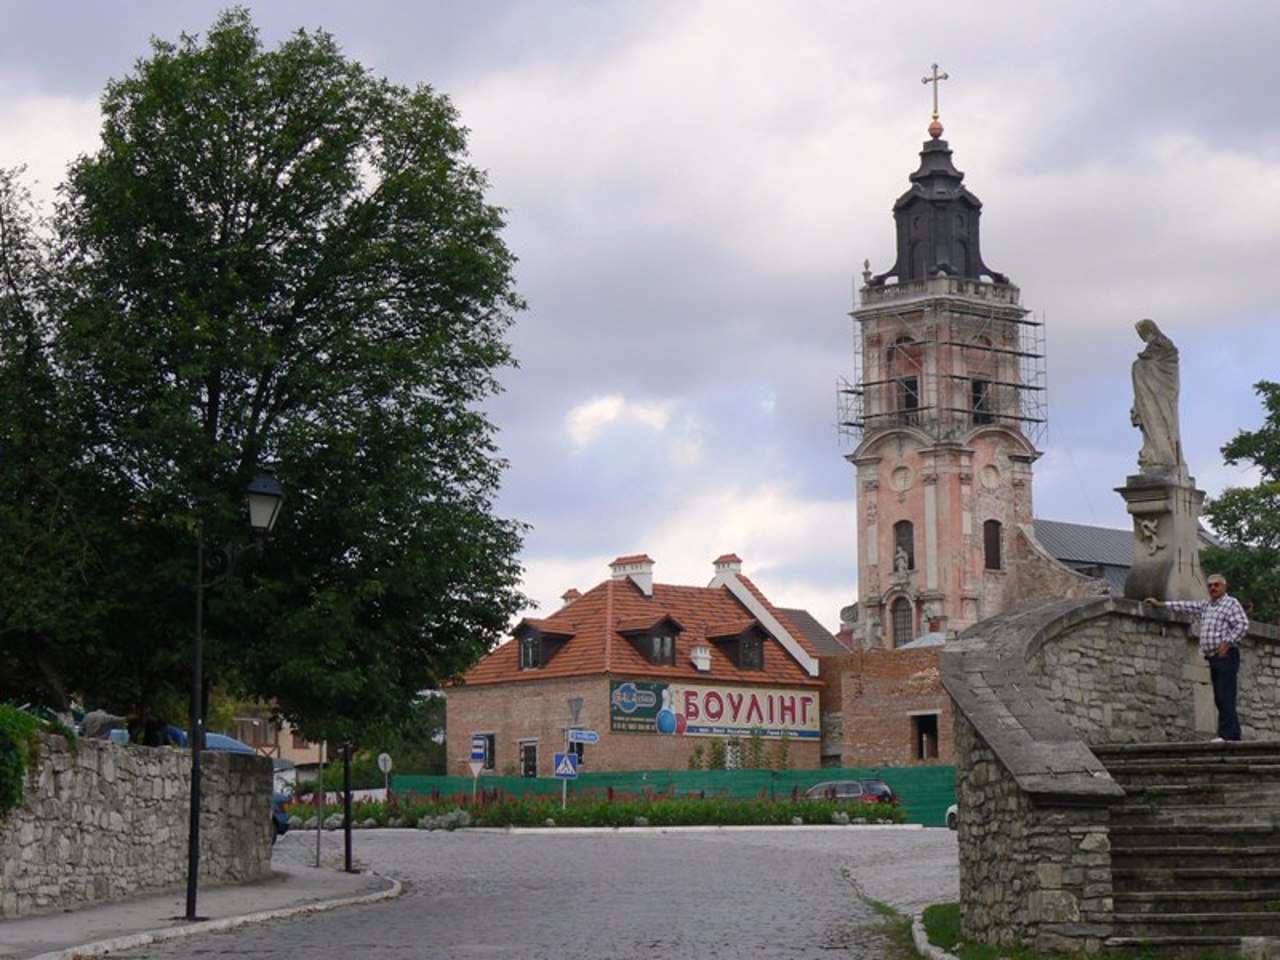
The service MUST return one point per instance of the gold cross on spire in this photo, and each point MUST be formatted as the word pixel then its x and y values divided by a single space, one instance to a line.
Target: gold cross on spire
pixel 935 128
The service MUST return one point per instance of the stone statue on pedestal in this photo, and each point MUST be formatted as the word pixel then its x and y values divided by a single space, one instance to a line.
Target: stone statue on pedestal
pixel 1155 401
pixel 1161 497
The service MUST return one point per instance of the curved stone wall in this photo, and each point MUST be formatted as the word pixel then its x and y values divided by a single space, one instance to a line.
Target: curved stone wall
pixel 1032 691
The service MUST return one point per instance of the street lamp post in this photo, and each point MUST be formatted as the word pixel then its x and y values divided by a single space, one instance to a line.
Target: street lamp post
pixel 265 496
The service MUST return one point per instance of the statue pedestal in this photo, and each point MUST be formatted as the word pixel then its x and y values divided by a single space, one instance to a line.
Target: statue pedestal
pixel 1166 543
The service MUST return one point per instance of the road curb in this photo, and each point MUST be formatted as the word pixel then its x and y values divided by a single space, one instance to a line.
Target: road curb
pixel 135 940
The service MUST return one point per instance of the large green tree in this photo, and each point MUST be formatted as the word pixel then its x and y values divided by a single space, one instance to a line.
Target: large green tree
pixel 1248 518
pixel 276 257
pixel 48 559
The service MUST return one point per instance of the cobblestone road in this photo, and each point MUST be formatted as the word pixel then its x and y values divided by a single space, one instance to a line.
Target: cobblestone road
pixel 762 894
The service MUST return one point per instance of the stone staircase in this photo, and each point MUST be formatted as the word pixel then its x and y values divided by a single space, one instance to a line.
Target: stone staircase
pixel 1195 848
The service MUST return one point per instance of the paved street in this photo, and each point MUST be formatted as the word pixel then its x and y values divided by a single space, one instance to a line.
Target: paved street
pixel 764 894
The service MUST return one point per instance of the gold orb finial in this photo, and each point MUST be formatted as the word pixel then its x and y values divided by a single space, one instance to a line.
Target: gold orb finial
pixel 935 128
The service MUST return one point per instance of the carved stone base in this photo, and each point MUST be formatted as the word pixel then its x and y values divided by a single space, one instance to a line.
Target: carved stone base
pixel 1166 544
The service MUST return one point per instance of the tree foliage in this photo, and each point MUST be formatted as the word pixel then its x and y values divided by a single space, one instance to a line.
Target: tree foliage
pixel 1248 518
pixel 273 256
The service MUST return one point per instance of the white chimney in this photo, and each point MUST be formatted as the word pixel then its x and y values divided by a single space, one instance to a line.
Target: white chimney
pixel 700 655
pixel 639 567
pixel 728 563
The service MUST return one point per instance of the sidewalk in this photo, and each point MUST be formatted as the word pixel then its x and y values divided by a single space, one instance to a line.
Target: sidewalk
pixel 126 924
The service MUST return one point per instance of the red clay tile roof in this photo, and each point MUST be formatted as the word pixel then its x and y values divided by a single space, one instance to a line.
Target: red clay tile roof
pixel 596 646
pixel 805 643
pixel 542 625
pixel 648 622
pixel 733 628
pixel 632 558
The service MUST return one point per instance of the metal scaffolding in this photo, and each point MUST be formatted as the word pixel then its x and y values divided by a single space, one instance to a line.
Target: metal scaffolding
pixel 951 363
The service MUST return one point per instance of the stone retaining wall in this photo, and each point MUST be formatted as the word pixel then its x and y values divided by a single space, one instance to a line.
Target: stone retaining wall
pixel 106 821
pixel 1032 690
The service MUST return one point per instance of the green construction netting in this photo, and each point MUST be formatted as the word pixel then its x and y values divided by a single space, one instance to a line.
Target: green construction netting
pixel 925 792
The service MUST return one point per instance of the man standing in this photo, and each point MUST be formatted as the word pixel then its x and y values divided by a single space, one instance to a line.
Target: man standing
pixel 1223 624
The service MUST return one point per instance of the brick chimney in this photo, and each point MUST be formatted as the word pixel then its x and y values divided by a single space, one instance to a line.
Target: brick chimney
pixel 639 567
pixel 570 595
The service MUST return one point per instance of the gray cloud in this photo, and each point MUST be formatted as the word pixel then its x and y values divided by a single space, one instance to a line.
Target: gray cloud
pixel 692 187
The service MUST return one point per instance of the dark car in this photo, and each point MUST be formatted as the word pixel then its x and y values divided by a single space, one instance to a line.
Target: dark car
pixel 853 791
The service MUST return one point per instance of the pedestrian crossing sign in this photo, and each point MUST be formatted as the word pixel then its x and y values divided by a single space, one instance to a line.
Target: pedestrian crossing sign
pixel 566 765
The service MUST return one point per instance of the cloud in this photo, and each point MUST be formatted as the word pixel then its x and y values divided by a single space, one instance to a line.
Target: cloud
pixel 692 186
pixel 589 421
pixel 44 133
pixel 799 551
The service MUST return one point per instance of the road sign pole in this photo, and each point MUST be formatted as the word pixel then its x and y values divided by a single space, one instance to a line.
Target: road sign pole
pixel 564 784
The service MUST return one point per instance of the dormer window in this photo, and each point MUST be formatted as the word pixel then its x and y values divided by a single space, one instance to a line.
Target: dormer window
pixel 742 642
pixel 538 641
pixel 654 638
pixel 530 652
pixel 663 653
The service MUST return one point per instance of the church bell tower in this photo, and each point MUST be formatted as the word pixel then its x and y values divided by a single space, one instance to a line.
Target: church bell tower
pixel 947 407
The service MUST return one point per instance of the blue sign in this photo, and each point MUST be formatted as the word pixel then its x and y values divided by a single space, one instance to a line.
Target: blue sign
pixel 566 765
pixel 584 736
pixel 478 746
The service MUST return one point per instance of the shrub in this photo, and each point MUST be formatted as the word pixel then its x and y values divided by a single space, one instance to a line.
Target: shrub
pixel 19 749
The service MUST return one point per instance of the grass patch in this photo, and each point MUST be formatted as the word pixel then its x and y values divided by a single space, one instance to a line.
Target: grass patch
pixel 895 926
pixel 942 926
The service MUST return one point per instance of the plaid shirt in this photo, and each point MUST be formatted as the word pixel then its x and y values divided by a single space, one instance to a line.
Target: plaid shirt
pixel 1221 621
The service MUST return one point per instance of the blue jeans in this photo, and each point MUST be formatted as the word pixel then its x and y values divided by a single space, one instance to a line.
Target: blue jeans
pixel 1223 672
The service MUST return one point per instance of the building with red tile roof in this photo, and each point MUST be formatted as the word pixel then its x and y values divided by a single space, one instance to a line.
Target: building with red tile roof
pixel 654 669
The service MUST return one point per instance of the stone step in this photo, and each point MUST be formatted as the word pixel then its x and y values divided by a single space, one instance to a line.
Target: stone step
pixel 1195 846
pixel 1149 878
pixel 1253 792
pixel 1192 816
pixel 1185 946
pixel 1120 752
pixel 1190 857
pixel 1226 923
pixel 1142 836
pixel 1262 902
pixel 1201 774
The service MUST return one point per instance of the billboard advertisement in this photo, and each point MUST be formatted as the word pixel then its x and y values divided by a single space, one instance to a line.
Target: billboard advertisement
pixel 705 710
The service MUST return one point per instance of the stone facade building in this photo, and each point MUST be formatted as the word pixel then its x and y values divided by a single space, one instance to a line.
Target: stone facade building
pixel 654 670
pixel 947 406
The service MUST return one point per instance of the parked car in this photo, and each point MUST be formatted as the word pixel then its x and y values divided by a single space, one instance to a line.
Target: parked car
pixel 279 816
pixel 853 791
pixel 953 814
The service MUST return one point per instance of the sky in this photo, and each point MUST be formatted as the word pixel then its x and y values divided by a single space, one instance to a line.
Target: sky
pixel 692 187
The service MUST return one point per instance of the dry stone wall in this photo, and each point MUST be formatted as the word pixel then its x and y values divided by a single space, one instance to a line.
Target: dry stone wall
pixel 1137 676
pixel 1033 691
pixel 103 821
pixel 1030 873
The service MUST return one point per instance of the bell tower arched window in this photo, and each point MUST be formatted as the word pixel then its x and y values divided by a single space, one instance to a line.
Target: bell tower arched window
pixel 903 362
pixel 991 545
pixel 900 614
